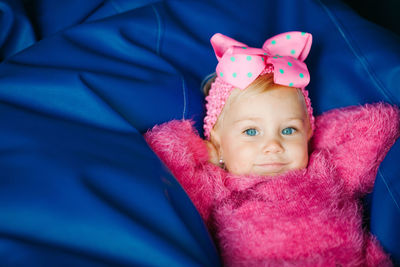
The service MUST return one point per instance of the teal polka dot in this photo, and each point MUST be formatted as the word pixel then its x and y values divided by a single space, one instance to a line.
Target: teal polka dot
pixel 277 55
pixel 234 75
pixel 273 42
pixel 288 36
pixel 301 75
pixel 290 84
pixel 303 33
pixel 221 74
pixel 232 59
pixel 274 57
pixel 293 52
pixel 290 64
pixel 262 59
pixel 249 74
pixel 281 71
pixel 265 54
pixel 244 47
pixel 248 58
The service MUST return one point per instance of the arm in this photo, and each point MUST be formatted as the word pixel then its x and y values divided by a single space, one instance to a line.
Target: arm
pixel 178 145
pixel 358 138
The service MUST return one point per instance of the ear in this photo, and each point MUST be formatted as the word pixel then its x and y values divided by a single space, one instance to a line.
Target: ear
pixel 212 153
pixel 309 134
pixel 215 140
pixel 310 131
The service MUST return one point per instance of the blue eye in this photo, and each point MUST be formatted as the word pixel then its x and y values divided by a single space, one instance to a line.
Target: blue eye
pixel 251 132
pixel 288 131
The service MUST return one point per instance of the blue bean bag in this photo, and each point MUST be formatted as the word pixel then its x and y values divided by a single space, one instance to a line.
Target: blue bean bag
pixel 80 82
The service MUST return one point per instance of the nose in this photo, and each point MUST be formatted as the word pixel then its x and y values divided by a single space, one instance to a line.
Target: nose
pixel 272 145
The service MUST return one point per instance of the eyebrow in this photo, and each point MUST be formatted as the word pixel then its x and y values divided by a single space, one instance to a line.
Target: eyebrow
pixel 247 119
pixel 296 118
pixel 257 119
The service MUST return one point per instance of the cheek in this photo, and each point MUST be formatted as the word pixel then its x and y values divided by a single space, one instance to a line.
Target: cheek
pixel 299 154
pixel 238 158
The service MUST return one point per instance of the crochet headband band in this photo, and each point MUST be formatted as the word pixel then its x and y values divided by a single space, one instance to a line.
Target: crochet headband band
pixel 239 65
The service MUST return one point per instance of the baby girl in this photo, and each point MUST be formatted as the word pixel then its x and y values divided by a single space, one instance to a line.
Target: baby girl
pixel 274 185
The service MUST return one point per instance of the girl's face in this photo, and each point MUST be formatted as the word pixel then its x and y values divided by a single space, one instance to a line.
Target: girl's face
pixel 265 133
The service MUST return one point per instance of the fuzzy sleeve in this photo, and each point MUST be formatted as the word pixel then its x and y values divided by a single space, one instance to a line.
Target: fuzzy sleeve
pixel 359 138
pixel 181 149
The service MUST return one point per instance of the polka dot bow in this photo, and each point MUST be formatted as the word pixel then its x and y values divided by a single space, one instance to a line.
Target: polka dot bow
pixel 239 65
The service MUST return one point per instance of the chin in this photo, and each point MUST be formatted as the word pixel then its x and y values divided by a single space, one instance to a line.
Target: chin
pixel 271 173
pixel 279 172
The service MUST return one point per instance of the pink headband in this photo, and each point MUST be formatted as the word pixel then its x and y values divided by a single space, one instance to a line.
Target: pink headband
pixel 239 65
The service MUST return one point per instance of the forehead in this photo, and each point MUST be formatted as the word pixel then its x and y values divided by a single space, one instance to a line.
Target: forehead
pixel 277 101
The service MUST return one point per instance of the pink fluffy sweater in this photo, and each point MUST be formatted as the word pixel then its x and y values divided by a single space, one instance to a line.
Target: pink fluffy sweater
pixel 309 217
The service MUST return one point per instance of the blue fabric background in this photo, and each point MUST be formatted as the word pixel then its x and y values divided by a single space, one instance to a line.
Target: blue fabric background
pixel 81 81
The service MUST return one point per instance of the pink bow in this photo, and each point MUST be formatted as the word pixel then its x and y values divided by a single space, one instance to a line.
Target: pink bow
pixel 240 65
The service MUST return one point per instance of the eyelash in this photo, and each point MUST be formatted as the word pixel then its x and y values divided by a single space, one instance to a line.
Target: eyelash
pixel 294 130
pixel 246 132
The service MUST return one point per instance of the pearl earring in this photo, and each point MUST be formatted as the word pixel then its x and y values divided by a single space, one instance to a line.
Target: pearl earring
pixel 221 163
